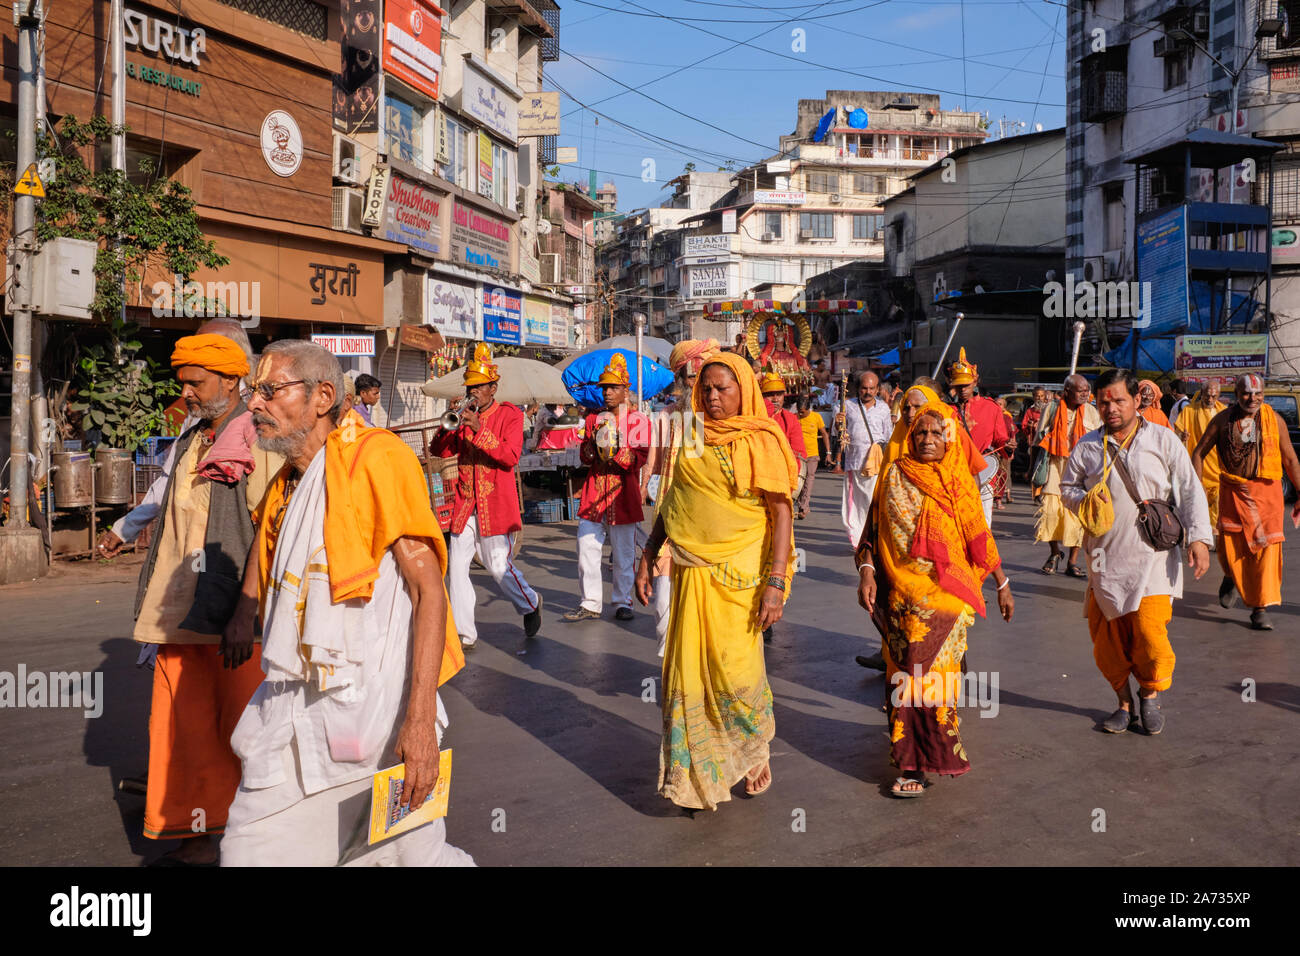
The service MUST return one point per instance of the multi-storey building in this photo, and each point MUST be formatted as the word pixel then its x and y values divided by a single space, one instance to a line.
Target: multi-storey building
pixel 568 246
pixel 1167 109
pixel 607 197
pixel 818 204
pixel 979 235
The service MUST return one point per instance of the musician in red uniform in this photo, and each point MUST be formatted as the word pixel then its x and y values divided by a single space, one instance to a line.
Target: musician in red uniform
pixel 984 422
pixel 616 446
pixel 488 442
pixel 773 388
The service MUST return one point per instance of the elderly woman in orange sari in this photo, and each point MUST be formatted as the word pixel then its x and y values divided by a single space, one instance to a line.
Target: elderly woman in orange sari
pixel 727 520
pixel 922 562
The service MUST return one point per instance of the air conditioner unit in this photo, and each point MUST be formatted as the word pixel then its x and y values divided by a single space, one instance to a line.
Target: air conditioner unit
pixel 347 161
pixel 769 237
pixel 805 233
pixel 1167 46
pixel 348 204
pixel 550 268
pixel 835 197
pixel 1201 24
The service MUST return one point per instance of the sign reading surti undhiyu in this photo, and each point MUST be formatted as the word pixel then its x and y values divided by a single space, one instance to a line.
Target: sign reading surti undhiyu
pixel 346 344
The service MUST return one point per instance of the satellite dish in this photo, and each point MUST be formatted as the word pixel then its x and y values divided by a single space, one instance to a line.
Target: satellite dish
pixel 543 227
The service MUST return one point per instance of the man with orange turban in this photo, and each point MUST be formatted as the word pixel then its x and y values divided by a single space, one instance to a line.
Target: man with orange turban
pixel 488 444
pixel 615 449
pixel 189 585
pixel 1254 451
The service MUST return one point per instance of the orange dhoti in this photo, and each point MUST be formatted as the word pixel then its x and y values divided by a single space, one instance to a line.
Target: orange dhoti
pixel 1250 538
pixel 196 704
pixel 1135 643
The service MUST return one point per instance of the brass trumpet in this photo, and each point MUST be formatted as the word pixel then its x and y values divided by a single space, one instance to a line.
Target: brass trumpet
pixel 451 418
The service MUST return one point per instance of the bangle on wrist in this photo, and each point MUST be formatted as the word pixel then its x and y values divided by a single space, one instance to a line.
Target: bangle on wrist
pixel 866 566
pixel 776 582
pixel 1005 583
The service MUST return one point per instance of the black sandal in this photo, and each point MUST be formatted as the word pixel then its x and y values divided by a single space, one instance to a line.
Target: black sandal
pixel 1052 562
pixel 1074 571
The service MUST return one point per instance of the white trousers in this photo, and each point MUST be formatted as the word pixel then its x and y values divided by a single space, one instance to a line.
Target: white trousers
pixel 281 826
pixel 855 504
pixel 494 552
pixel 663 599
pixel 591 539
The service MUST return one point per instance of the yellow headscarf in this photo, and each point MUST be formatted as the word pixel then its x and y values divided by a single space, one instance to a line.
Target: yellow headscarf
pixel 760 454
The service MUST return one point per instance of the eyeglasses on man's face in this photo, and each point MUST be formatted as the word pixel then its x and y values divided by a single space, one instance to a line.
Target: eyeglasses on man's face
pixel 268 389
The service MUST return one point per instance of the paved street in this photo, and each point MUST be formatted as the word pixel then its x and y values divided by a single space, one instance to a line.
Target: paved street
pixel 560 748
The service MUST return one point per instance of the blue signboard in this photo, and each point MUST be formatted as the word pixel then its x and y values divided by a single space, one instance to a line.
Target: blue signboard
pixel 1162 262
pixel 502 315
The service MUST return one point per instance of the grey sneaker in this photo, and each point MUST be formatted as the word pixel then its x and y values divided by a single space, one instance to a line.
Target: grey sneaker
pixel 1117 722
pixel 1152 720
pixel 581 614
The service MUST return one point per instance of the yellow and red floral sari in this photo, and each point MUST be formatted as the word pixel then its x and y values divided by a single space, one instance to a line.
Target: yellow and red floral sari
pixel 932 551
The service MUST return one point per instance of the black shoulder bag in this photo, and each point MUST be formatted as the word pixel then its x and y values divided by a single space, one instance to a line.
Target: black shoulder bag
pixel 1158 523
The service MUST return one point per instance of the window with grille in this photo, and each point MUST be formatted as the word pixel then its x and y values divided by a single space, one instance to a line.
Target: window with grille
pixel 820 224
pixel 546 154
pixel 551 44
pixel 301 16
pixel 823 182
pixel 1286 190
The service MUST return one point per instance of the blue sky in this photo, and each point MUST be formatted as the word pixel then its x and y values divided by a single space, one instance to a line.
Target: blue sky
pixel 734 100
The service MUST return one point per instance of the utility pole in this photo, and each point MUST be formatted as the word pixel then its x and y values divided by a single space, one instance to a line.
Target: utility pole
pixel 22 550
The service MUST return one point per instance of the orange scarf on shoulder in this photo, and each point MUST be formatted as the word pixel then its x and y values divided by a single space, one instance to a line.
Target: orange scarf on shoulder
pixel 1062 437
pixel 950 530
pixel 375 493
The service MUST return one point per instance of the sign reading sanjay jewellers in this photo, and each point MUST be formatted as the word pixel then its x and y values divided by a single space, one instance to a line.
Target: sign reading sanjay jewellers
pixel 478 239
pixel 411 214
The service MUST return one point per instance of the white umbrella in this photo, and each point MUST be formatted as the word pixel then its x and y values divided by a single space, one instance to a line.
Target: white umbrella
pixel 657 349
pixel 523 381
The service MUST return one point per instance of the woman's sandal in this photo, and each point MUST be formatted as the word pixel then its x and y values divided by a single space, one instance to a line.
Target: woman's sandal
pixel 898 791
pixel 754 775
pixel 1074 571
pixel 1052 562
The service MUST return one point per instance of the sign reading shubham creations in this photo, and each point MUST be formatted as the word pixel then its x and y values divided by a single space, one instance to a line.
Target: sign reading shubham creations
pixel 411 215
pixel 502 315
pixel 1201 356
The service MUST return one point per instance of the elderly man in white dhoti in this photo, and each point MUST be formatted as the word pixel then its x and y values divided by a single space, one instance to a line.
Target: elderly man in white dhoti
pixel 347 573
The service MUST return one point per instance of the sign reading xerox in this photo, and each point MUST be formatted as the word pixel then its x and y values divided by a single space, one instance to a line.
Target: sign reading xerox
pixel 502 315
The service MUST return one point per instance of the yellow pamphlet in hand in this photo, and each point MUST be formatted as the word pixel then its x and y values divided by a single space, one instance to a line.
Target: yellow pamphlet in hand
pixel 388 818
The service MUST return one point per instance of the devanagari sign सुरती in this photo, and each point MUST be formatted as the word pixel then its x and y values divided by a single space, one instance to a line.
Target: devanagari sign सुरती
pixel 342 280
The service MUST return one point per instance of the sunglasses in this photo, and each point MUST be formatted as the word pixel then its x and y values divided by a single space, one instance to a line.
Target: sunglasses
pixel 268 389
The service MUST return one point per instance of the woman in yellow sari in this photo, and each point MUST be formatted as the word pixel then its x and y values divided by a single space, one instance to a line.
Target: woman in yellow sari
pixel 922 562
pixel 727 516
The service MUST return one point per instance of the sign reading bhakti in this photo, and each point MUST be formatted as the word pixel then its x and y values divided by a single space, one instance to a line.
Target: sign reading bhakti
pixel 478 238
pixel 502 315
pixel 413 43
pixel 411 214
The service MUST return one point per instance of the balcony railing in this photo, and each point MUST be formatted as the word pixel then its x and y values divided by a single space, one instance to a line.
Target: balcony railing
pixel 1105 95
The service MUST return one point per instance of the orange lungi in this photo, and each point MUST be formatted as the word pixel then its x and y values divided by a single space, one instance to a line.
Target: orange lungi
pixel 1251 515
pixel 196 704
pixel 1135 643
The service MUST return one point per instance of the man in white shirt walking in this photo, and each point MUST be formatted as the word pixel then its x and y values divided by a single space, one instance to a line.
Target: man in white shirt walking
pixel 866 421
pixel 1131 585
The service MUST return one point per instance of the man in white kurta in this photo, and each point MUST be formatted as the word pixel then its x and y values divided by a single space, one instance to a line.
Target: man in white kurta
pixel 866 421
pixel 1132 586
pixel 354 634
